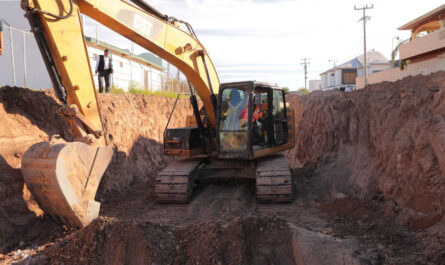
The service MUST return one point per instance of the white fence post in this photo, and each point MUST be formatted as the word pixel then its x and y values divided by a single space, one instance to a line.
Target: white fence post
pixel 12 56
pixel 25 76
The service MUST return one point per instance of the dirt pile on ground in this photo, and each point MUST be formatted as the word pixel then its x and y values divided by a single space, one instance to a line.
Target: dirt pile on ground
pixel 109 241
pixel 26 117
pixel 136 123
pixel 386 141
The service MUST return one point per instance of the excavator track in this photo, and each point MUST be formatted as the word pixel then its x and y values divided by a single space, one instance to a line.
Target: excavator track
pixel 273 180
pixel 174 184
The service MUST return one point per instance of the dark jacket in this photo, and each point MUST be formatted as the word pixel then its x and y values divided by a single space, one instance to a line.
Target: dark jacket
pixel 101 65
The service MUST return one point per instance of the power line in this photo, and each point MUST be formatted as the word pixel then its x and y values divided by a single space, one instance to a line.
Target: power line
pixel 305 63
pixel 364 19
pixel 334 62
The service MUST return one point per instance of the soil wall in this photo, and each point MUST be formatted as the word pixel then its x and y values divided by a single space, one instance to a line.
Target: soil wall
pixel 384 142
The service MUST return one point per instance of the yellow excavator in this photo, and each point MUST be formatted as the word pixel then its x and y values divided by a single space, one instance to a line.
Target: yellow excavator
pixel 236 133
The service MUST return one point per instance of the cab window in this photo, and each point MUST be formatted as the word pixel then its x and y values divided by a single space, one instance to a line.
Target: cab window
pixel 279 117
pixel 234 117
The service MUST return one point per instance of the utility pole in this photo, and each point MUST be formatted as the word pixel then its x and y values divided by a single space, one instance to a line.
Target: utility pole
pixel 305 63
pixel 365 18
pixel 334 62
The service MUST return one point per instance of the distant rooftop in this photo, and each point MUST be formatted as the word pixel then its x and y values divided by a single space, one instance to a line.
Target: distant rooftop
pixel 373 57
pixel 433 15
pixel 146 57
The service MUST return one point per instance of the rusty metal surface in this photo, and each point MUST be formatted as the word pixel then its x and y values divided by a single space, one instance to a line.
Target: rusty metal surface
pixel 64 177
pixel 273 179
pixel 229 169
pixel 174 184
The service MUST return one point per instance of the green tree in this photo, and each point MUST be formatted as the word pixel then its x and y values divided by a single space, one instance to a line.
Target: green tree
pixel 303 91
pixel 395 52
pixel 286 89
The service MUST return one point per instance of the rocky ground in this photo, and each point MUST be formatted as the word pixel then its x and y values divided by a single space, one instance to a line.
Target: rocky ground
pixel 368 173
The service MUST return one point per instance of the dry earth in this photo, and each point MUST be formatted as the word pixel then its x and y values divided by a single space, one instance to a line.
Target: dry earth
pixel 368 173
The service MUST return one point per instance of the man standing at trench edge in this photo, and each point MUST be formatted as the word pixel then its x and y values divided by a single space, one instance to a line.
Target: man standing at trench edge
pixel 104 67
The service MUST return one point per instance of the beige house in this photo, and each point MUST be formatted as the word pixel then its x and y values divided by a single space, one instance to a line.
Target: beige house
pixel 423 54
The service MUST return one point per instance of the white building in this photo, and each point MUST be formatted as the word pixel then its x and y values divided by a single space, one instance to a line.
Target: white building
pixel 24 61
pixel 314 85
pixel 142 71
pixel 344 76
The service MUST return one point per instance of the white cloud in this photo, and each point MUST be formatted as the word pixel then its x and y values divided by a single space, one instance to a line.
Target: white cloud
pixel 265 39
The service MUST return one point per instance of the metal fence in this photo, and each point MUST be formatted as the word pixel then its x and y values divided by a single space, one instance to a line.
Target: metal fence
pixel 5 25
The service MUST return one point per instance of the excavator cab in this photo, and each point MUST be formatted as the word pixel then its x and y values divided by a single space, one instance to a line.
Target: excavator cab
pixel 252 118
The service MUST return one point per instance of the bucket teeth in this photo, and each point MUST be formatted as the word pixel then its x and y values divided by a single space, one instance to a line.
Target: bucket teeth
pixel 63 178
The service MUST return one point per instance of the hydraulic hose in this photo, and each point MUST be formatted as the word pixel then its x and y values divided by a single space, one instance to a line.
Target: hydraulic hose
pixel 25 6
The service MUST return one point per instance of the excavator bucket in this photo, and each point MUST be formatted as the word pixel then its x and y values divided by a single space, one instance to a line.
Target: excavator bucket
pixel 63 178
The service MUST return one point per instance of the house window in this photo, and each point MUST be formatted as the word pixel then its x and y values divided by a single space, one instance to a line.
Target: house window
pixel 94 56
pixel 121 64
pixel 348 76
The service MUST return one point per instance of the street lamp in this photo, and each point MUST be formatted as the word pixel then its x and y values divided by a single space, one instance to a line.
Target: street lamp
pixel 392 49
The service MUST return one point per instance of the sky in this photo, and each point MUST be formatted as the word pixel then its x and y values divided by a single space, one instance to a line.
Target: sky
pixel 265 40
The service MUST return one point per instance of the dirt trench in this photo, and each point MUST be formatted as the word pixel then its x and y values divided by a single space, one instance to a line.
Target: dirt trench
pixel 367 173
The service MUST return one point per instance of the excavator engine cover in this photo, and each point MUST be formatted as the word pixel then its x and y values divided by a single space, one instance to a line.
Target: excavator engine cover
pixel 63 178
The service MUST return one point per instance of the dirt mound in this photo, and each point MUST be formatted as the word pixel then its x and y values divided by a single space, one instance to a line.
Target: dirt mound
pixel 137 123
pixel 27 117
pixel 109 241
pixel 386 140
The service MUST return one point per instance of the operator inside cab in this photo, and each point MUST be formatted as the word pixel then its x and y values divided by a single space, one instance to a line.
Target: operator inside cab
pixel 234 120
pixel 258 120
pixel 235 111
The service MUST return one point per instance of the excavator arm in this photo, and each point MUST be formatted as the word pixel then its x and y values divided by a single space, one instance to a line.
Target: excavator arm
pixel 64 176
pixel 161 36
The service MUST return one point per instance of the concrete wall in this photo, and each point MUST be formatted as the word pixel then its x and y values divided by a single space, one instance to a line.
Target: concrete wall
pixel 421 68
pixel 433 41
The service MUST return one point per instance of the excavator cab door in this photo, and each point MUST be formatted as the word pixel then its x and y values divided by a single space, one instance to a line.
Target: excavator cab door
pixel 279 117
pixel 235 120
pixel 269 119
